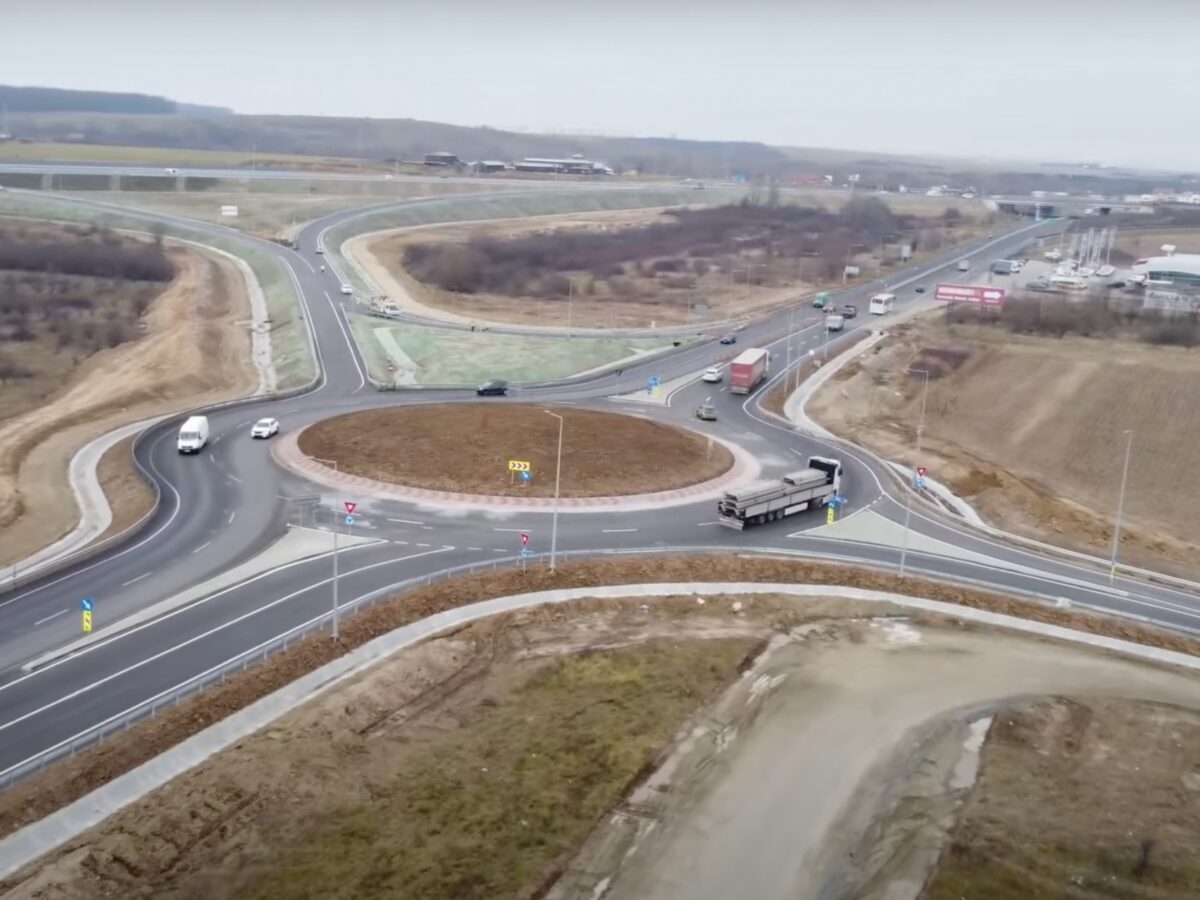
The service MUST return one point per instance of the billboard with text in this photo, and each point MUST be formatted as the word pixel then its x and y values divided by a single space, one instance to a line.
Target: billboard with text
pixel 982 294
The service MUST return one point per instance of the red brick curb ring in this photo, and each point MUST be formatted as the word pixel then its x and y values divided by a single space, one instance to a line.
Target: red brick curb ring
pixel 287 453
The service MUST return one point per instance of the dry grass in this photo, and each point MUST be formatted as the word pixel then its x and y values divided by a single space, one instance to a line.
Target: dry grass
pixel 465 448
pixel 1113 790
pixel 1030 430
pixel 129 497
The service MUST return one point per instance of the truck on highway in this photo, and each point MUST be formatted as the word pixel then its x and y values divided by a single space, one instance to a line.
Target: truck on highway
pixel 881 304
pixel 766 501
pixel 748 370
pixel 1006 267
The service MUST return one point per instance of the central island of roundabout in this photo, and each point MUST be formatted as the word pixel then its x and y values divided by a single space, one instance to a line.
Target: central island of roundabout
pixel 505 456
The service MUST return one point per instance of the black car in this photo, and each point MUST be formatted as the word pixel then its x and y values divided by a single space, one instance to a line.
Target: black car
pixel 920 289
pixel 849 311
pixel 492 389
pixel 729 339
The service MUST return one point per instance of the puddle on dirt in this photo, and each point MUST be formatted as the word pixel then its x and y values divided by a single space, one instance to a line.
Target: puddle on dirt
pixel 966 770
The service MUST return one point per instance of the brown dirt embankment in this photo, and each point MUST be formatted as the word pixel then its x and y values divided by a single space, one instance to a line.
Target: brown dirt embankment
pixel 195 349
pixel 465 448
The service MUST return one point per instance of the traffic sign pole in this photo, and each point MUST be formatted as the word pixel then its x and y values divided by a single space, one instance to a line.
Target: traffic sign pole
pixel 335 581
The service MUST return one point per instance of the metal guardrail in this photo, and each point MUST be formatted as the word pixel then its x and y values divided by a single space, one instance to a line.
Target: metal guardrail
pixel 260 653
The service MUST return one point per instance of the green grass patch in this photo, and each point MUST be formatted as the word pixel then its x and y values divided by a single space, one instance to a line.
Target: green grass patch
pixel 164 156
pixel 451 357
pixel 492 808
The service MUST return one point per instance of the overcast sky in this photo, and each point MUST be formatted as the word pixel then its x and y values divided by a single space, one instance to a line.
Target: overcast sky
pixel 1057 79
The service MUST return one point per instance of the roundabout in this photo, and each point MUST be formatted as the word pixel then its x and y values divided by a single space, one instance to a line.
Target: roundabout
pixel 505 456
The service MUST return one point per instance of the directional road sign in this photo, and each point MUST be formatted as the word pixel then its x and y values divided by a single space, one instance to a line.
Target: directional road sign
pixel 524 551
pixel 518 465
pixel 830 514
pixel 87 621
pixel 920 483
pixel 351 506
pixel 526 476
pixel 349 520
pixel 86 604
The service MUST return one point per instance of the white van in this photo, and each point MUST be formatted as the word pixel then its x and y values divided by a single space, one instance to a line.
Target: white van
pixel 963 265
pixel 881 304
pixel 835 323
pixel 193 435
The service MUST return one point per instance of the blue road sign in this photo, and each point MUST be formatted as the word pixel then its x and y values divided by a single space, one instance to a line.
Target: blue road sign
pixel 524 551
pixel 837 502
pixel 526 476
pixel 86 604
pixel 920 483
pixel 349 520
pixel 655 381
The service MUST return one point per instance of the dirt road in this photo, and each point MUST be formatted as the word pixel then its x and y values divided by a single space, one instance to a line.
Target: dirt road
pixel 820 747
pixel 196 349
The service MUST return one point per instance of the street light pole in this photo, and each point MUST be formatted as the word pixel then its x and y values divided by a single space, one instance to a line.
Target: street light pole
pixel 1112 572
pixel 334 528
pixel 912 486
pixel 557 483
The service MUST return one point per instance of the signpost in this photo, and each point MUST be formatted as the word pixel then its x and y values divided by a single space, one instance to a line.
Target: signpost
pixel 86 605
pixel 351 506
pixel 652 385
pixel 518 465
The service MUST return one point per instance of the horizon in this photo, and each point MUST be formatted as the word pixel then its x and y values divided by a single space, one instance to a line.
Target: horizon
pixel 1057 93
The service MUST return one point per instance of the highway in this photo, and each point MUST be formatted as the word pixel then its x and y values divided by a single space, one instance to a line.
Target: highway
pixel 228 503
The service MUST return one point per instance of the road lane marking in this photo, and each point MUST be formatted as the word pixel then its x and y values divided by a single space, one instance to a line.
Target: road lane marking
pixel 474 548
pixel 52 616
pixel 202 546
pixel 616 530
pixel 423 545
pixel 407 521
pixel 192 640
pixel 232 515
pixel 235 479
pixel 702 524
pixel 139 578
pixel 500 550
pixel 510 529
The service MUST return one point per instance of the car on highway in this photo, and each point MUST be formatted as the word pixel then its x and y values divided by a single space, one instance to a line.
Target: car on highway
pixel 319 250
pixel 705 412
pixel 729 339
pixel 713 374
pixel 920 289
pixel 346 289
pixel 494 388
pixel 820 300
pixel 265 428
pixel 849 311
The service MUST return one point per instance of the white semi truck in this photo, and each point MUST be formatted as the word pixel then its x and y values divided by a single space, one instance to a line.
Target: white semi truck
pixel 766 501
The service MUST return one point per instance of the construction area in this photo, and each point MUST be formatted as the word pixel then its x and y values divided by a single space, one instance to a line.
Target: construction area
pixel 1033 431
pixel 466 448
pixel 593 749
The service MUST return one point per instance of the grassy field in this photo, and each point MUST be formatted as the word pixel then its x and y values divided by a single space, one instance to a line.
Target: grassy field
pixel 166 156
pixel 446 357
pixel 1149 243
pixel 1096 799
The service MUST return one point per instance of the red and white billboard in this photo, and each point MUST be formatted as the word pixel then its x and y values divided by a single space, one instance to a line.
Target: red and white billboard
pixel 970 293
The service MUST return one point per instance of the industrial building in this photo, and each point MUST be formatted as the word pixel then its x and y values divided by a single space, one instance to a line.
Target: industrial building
pixel 442 158
pixel 576 165
pixel 1179 269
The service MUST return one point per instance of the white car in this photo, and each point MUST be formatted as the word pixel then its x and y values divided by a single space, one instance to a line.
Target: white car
pixel 712 374
pixel 346 289
pixel 265 428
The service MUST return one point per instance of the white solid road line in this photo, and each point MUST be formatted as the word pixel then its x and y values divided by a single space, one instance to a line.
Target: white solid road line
pixel 52 616
pixel 362 378
pixel 616 530
pixel 232 515
pixel 407 521
pixel 157 656
pixel 202 546
pixel 234 478
pixel 139 578
pixel 702 524
pixel 511 529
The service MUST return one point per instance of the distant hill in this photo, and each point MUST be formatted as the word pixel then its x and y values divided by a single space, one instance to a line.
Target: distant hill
pixel 15 100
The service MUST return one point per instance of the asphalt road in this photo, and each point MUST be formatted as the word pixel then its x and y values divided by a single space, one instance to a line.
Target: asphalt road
pixel 230 501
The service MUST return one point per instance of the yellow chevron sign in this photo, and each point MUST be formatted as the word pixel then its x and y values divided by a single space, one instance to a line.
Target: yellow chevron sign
pixel 87 621
pixel 518 465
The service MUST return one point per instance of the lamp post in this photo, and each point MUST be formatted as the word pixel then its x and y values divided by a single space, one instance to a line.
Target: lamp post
pixel 557 482
pixel 1112 572
pixel 912 486
pixel 334 529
